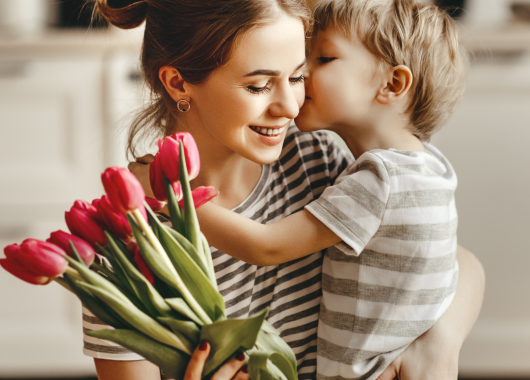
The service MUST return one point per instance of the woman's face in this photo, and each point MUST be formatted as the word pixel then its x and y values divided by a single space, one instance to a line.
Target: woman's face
pixel 248 104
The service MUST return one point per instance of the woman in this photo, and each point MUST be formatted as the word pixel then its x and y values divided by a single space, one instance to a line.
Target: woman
pixel 230 73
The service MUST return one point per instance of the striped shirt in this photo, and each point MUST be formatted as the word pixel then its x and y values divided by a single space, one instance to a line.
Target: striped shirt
pixel 395 271
pixel 308 164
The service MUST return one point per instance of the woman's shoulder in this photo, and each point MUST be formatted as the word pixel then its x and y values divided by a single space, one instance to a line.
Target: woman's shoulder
pixel 307 143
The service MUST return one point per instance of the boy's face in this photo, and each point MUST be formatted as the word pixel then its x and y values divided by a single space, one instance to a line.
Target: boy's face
pixel 341 84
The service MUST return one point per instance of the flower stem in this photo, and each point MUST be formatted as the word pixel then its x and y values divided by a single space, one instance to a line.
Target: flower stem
pixel 182 288
pixel 75 274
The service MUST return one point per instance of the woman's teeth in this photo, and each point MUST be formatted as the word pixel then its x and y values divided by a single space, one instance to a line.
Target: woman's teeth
pixel 268 131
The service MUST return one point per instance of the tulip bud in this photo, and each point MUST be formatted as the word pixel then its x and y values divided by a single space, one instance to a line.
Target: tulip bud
pixel 62 239
pixel 18 270
pixel 124 190
pixel 142 266
pixel 39 257
pixel 82 220
pixel 201 195
pixel 156 179
pixel 113 220
pixel 169 155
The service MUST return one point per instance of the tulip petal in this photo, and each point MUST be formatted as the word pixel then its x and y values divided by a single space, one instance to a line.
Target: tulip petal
pixel 42 258
pixel 17 270
pixel 62 239
pixel 155 204
pixel 201 195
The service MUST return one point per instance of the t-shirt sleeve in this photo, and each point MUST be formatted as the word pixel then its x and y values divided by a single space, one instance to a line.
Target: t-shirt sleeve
pixel 99 348
pixel 354 207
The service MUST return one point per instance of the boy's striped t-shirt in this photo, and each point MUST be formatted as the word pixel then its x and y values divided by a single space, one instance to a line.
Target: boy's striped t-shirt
pixel 395 271
pixel 309 163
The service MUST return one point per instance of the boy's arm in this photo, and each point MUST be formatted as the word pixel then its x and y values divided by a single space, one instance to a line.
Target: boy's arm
pixel 295 236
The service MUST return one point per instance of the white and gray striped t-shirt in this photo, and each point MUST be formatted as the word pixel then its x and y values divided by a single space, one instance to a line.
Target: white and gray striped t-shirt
pixel 395 272
pixel 309 163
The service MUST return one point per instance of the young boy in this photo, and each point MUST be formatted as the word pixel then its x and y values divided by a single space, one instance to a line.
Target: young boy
pixel 384 75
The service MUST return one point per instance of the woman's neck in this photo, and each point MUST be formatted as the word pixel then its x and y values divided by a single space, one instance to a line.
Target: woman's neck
pixel 231 174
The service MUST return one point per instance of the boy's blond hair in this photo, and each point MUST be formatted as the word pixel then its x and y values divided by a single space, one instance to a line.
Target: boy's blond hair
pixel 404 32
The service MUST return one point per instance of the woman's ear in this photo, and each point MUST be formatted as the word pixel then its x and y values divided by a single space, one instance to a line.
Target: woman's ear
pixel 399 80
pixel 175 85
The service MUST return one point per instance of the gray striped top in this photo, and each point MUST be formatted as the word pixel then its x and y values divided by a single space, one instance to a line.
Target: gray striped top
pixel 309 163
pixel 395 272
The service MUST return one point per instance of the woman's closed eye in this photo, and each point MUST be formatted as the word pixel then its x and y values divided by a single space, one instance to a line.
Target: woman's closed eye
pixel 257 90
pixel 326 59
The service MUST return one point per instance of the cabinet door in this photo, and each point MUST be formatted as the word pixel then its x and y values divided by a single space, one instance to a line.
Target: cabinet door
pixel 51 153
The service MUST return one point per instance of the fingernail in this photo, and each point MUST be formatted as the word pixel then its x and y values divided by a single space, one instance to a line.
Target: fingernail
pixel 240 357
pixel 244 369
pixel 203 346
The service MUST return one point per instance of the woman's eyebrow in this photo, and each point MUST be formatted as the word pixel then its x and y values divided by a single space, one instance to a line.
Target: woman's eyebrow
pixel 272 73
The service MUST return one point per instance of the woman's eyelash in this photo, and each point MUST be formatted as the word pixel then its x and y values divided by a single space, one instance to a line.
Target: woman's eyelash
pixel 258 90
pixel 261 90
pixel 296 80
pixel 326 59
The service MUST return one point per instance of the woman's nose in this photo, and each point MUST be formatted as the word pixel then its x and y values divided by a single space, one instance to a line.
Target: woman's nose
pixel 287 101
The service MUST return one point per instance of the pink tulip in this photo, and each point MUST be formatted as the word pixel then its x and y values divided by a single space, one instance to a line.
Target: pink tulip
pixel 38 258
pixel 83 221
pixel 157 181
pixel 201 195
pixel 62 239
pixel 17 270
pixel 113 220
pixel 124 190
pixel 155 204
pixel 142 266
pixel 169 155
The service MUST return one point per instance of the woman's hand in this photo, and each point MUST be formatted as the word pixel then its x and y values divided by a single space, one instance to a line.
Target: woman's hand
pixel 140 169
pixel 434 355
pixel 232 369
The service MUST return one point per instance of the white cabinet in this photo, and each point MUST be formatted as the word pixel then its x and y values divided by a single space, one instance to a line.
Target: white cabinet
pixel 487 142
pixel 59 128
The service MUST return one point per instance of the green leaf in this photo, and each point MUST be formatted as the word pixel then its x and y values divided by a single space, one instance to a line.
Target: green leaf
pixel 208 259
pixel 96 307
pixel 186 328
pixel 171 361
pixel 188 247
pixel 150 298
pixel 139 320
pixel 160 269
pixel 229 336
pixel 190 216
pixel 259 367
pixel 175 213
pixel 103 269
pixel 193 277
pixel 181 307
pixel 273 342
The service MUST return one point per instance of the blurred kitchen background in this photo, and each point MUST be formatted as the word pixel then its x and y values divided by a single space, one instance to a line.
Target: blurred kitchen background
pixel 67 93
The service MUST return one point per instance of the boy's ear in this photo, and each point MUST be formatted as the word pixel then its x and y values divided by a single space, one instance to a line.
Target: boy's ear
pixel 398 82
pixel 174 84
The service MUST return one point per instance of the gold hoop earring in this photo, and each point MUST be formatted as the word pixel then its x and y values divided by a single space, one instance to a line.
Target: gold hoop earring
pixel 187 105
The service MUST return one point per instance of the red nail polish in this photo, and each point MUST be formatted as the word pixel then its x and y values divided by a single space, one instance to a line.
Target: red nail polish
pixel 203 346
pixel 240 357
pixel 244 369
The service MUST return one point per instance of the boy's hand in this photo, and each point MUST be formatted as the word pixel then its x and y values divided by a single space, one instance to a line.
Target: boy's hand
pixel 140 169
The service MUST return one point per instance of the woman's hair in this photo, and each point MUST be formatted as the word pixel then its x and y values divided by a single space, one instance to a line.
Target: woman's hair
pixel 420 36
pixel 194 36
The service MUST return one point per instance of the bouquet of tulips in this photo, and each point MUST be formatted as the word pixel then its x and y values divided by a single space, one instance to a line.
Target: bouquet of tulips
pixel 153 283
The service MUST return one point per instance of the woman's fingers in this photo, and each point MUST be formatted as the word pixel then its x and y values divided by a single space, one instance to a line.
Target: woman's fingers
pixel 230 369
pixel 242 374
pixel 147 159
pixel 196 364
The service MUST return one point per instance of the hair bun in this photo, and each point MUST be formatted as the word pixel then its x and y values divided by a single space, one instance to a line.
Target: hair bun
pixel 127 17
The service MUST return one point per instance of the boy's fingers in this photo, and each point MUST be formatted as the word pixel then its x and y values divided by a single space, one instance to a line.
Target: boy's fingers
pixel 230 368
pixel 196 364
